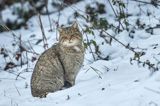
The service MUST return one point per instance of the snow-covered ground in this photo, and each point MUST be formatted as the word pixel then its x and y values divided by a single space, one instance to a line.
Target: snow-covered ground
pixel 115 82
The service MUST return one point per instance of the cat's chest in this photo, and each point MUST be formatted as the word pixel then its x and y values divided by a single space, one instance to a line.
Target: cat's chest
pixel 71 53
pixel 71 50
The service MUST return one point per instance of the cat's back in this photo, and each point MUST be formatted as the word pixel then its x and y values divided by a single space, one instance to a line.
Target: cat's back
pixel 48 72
pixel 48 54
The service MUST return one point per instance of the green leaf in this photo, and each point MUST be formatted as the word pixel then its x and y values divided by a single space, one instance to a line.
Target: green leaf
pixel 85 45
pixel 93 42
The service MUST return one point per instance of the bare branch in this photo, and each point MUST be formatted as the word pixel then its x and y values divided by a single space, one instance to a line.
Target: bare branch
pixel 43 33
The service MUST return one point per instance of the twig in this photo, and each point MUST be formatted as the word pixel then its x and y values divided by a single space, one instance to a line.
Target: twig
pixel 20 46
pixel 11 60
pixel 25 70
pixel 15 74
pixel 8 29
pixel 90 47
pixel 33 51
pixel 119 41
pixel 115 14
pixel 152 103
pixel 152 90
pixel 43 33
pixel 18 75
pixel 112 8
pixel 136 53
pixel 4 93
pixel 87 70
pixel 96 70
pixel 17 90
pixel 46 6
pixel 27 61
pixel 7 78
pixel 57 23
pixel 150 3
pixel 88 42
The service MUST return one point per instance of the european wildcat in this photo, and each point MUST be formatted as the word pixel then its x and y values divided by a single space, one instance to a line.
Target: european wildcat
pixel 58 66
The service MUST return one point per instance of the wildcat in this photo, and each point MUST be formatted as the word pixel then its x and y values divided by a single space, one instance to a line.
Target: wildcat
pixel 58 66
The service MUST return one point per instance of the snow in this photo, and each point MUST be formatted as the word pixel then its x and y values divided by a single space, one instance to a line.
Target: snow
pixel 113 82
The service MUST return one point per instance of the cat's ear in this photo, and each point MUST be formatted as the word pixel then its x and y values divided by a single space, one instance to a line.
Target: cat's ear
pixel 75 25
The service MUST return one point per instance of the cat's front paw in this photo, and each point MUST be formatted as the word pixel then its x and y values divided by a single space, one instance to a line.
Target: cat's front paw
pixel 67 84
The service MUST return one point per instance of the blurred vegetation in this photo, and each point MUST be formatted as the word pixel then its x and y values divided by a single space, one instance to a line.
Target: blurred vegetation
pixel 25 9
pixel 95 20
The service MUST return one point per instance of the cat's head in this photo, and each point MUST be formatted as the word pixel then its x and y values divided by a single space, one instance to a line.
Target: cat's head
pixel 70 36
